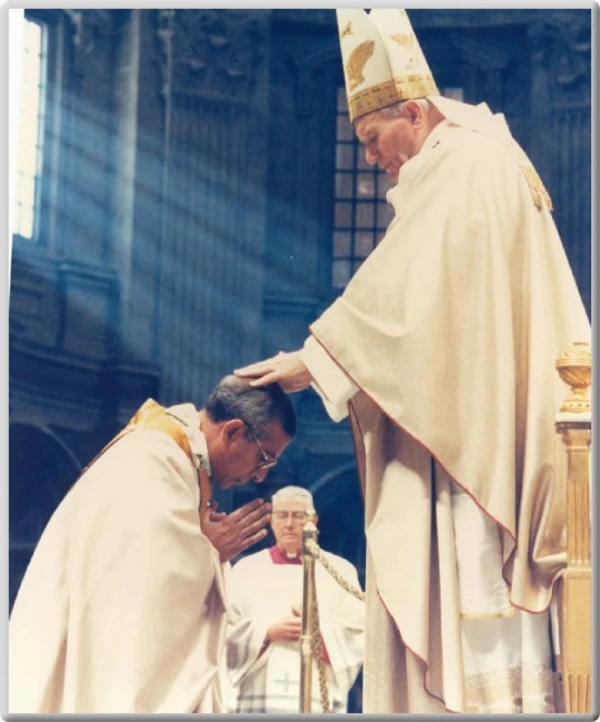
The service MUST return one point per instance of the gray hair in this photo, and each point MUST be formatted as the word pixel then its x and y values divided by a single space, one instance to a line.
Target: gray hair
pixel 293 492
pixel 258 407
pixel 397 109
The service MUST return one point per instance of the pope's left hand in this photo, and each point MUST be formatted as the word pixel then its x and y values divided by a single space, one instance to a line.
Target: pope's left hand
pixel 286 369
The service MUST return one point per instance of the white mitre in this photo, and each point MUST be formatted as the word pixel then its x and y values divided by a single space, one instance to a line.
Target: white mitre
pixel 384 64
pixel 383 61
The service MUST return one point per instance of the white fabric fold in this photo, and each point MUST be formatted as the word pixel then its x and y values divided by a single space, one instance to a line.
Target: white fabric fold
pixel 330 382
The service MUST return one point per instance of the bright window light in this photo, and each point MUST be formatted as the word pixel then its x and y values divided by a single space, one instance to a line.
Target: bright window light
pixel 31 125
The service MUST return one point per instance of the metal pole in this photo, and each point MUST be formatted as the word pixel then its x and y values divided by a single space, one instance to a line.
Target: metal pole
pixel 308 595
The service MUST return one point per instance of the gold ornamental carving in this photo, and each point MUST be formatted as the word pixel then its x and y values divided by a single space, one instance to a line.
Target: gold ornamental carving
pixel 540 195
pixel 357 61
pixel 406 40
pixel 347 30
pixel 575 369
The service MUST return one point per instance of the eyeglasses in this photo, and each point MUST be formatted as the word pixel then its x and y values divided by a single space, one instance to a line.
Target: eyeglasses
pixel 295 515
pixel 268 460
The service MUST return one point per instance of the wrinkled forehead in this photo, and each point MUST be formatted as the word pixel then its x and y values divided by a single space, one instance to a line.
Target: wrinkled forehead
pixel 367 124
pixel 292 503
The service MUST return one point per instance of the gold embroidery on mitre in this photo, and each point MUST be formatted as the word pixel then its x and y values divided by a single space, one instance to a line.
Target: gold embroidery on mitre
pixel 357 62
pixel 406 40
pixel 347 30
pixel 372 98
pixel 540 195
pixel 415 86
pixel 379 96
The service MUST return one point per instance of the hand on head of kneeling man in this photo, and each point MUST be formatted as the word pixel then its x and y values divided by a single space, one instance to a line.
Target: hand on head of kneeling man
pixel 286 369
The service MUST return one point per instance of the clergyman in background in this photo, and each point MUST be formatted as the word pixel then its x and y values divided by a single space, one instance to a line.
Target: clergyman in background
pixel 265 613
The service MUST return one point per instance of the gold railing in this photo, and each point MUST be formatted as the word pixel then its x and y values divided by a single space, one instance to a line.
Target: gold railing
pixel 573 423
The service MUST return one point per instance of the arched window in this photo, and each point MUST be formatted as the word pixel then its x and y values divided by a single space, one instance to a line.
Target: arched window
pixel 32 99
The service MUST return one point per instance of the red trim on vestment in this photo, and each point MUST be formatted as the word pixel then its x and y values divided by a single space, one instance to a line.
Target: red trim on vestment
pixel 458 483
pixel 423 662
pixel 278 556
pixel 470 494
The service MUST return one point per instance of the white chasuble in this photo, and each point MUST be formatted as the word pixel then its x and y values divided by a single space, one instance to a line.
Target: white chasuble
pixel 449 332
pixel 122 607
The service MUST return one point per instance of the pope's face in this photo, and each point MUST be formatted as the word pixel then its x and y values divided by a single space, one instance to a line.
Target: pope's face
pixel 389 142
pixel 287 520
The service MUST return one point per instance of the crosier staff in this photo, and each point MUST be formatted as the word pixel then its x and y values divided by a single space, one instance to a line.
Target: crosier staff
pixel 309 533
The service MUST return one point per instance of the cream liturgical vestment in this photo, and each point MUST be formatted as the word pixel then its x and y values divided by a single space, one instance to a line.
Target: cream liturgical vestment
pixel 264 588
pixel 122 609
pixel 448 334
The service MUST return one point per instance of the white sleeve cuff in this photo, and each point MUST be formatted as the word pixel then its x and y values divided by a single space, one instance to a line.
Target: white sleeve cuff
pixel 331 383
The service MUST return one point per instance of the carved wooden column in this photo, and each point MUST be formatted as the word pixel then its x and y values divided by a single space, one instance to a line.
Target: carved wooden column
pixel 574 425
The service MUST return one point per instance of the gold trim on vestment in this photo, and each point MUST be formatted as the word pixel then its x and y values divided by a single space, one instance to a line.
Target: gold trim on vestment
pixel 540 195
pixel 511 690
pixel 506 614
pixel 405 40
pixel 347 31
pixel 392 91
pixel 151 416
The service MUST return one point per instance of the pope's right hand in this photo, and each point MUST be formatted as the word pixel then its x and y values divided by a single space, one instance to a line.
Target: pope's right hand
pixel 286 369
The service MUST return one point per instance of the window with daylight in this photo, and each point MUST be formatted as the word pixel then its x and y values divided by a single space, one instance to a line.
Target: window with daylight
pixel 361 211
pixel 31 127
